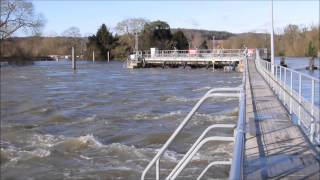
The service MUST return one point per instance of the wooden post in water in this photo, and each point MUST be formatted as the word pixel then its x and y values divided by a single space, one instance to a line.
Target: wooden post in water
pixel 108 56
pixel 93 58
pixel 73 59
pixel 213 65
pixel 311 63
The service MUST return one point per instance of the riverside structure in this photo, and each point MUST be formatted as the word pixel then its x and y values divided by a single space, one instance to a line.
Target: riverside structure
pixel 278 130
pixel 229 58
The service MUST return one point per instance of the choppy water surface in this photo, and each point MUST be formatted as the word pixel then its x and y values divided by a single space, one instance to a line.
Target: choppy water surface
pixel 104 121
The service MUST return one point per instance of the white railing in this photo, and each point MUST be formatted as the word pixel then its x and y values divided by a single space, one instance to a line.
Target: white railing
pixel 192 53
pixel 216 92
pixel 288 85
pixel 237 162
pixel 236 171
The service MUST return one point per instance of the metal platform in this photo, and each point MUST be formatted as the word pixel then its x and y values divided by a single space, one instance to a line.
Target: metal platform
pixel 194 58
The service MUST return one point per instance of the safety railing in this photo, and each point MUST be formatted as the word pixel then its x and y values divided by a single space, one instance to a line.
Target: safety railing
pixel 191 54
pixel 236 171
pixel 288 85
pixel 237 162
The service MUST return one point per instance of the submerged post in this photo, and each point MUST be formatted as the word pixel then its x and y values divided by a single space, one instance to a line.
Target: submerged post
pixel 93 58
pixel 108 56
pixel 73 59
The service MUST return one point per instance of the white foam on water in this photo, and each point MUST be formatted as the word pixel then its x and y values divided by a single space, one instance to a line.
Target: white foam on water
pixel 147 116
pixel 202 88
pixel 85 157
pixel 181 99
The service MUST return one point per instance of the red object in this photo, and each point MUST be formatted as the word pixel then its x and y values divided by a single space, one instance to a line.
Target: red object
pixel 192 51
pixel 250 52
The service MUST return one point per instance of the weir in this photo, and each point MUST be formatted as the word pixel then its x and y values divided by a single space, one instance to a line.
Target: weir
pixel 277 134
pixel 231 58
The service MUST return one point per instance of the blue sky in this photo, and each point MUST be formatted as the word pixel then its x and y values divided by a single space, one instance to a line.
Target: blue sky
pixel 232 16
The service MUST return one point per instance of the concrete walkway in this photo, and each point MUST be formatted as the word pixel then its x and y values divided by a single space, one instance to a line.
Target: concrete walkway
pixel 275 147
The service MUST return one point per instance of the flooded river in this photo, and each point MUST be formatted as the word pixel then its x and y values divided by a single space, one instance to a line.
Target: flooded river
pixel 104 121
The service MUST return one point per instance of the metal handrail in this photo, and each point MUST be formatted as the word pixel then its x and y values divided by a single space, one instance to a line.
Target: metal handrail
pixel 157 157
pixel 196 149
pixel 307 112
pixel 212 164
pixel 236 171
pixel 204 133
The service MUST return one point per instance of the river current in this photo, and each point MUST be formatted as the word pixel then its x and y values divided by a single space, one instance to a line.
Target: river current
pixel 104 121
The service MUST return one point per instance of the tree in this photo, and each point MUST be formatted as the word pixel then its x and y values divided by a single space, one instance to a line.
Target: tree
pixel 18 15
pixel 156 34
pixel 104 41
pixel 312 51
pixel 204 45
pixel 72 32
pixel 131 26
pixel 179 40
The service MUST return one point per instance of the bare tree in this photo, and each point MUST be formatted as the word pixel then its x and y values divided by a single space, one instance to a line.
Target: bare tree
pixel 73 32
pixel 74 39
pixel 16 15
pixel 131 26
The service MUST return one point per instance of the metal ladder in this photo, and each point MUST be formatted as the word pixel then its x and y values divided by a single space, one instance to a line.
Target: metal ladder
pixel 216 92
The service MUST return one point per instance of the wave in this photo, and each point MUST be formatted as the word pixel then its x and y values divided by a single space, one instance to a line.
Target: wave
pixel 202 88
pixel 43 145
pixel 181 99
pixel 13 155
pixel 148 116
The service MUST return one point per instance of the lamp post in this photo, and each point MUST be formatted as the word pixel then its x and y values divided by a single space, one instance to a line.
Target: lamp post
pixel 272 41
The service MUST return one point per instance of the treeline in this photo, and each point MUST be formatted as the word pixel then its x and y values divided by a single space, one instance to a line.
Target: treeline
pixel 292 41
pixel 36 46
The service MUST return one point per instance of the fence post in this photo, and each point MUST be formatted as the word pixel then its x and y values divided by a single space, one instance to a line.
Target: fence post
pixel 280 82
pixel 284 85
pixel 291 87
pixel 158 169
pixel 300 89
pixel 312 128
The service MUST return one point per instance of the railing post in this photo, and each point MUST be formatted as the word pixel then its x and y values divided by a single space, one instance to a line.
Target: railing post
pixel 291 88
pixel 300 89
pixel 280 83
pixel 158 169
pixel 276 88
pixel 312 128
pixel 284 85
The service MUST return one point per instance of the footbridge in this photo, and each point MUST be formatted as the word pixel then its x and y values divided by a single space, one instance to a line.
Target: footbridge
pixel 277 134
pixel 232 58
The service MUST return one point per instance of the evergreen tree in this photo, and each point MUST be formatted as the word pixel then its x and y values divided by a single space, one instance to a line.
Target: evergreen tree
pixel 179 40
pixel 156 34
pixel 312 51
pixel 204 45
pixel 104 41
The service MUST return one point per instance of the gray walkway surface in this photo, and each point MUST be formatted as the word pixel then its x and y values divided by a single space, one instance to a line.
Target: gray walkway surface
pixel 275 147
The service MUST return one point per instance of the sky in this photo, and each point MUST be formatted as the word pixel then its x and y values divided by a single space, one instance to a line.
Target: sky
pixel 233 16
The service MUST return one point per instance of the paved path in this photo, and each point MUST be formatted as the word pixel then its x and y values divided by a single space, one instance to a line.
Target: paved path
pixel 275 147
